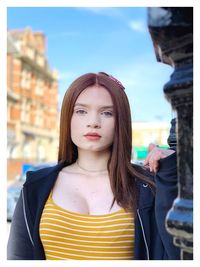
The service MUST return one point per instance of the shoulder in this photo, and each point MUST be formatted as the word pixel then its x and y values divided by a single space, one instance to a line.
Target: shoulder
pixel 140 171
pixel 33 176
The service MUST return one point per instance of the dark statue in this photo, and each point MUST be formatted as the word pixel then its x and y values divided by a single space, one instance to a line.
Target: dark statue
pixel 171 30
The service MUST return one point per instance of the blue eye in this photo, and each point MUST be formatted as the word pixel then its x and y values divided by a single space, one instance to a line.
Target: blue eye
pixel 80 111
pixel 107 113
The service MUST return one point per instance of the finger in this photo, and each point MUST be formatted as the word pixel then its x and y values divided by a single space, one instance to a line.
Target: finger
pixel 153 160
pixel 151 147
pixel 146 161
pixel 149 156
pixel 156 166
pixel 151 163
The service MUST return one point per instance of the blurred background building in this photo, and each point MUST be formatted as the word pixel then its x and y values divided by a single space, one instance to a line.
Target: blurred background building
pixel 144 133
pixel 32 101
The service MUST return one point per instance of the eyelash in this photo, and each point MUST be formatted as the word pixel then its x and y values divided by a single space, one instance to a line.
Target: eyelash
pixel 80 111
pixel 108 113
pixel 83 112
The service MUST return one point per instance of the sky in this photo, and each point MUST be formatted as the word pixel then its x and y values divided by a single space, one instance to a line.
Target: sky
pixel 113 40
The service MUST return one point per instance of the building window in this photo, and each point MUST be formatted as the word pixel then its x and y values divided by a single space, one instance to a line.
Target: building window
pixel 12 152
pixel 39 117
pixel 40 60
pixel 40 152
pixel 30 53
pixel 39 87
pixel 27 150
pixel 26 79
pixel 25 112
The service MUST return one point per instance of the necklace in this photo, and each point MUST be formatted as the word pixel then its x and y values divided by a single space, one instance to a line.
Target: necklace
pixel 89 170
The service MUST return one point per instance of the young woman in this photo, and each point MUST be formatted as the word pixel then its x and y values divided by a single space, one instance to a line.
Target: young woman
pixel 94 204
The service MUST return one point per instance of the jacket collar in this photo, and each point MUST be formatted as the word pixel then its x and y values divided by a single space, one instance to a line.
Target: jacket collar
pixel 33 176
pixel 145 195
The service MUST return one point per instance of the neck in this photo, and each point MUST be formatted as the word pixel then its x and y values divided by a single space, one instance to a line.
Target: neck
pixel 93 171
pixel 93 162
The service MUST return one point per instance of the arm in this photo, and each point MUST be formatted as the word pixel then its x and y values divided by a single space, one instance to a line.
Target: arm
pixel 163 163
pixel 19 244
pixel 166 192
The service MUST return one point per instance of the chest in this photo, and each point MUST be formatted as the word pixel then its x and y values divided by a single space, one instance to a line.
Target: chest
pixel 87 195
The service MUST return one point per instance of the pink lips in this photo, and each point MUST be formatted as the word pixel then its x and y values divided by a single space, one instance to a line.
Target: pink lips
pixel 92 136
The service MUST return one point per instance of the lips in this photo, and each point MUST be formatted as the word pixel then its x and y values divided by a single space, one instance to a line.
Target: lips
pixel 92 134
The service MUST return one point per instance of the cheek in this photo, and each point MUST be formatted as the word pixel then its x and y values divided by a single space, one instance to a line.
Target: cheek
pixel 75 124
pixel 111 128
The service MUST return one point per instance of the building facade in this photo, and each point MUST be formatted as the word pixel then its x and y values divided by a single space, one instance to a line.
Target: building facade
pixel 32 101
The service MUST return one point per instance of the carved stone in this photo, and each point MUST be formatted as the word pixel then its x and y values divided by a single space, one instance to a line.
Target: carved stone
pixel 171 30
pixel 172 135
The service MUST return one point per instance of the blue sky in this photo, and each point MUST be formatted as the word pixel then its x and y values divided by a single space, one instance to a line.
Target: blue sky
pixel 114 40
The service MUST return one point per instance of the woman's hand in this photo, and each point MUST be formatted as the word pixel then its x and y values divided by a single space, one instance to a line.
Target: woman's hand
pixel 155 154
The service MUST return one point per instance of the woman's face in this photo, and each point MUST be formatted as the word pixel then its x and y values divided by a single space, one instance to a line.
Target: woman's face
pixel 93 122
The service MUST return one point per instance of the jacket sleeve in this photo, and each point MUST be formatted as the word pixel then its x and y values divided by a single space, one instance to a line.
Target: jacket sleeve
pixel 19 244
pixel 166 192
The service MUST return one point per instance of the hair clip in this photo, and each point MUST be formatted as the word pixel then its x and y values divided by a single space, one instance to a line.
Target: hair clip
pixel 114 79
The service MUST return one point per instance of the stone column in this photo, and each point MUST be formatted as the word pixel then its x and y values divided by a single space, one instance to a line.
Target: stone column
pixel 171 31
pixel 172 135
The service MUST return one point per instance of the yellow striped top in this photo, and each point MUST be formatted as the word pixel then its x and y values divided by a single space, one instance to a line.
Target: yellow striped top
pixel 67 235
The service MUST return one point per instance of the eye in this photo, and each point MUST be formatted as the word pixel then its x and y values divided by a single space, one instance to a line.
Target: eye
pixel 107 113
pixel 80 111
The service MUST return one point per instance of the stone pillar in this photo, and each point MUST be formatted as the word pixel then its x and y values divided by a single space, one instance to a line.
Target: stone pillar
pixel 172 135
pixel 171 31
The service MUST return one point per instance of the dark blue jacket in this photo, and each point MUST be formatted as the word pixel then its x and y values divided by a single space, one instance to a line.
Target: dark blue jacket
pixel 151 239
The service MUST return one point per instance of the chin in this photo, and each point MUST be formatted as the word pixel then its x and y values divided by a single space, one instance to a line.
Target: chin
pixel 94 148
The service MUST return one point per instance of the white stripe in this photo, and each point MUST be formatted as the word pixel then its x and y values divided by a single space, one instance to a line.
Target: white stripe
pixel 78 245
pixel 87 231
pixel 92 216
pixel 116 236
pixel 83 226
pixel 56 257
pixel 82 221
pixel 88 251
pixel 89 241
pixel 92 257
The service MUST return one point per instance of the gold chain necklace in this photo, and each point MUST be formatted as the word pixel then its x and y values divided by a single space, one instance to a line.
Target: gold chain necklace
pixel 88 170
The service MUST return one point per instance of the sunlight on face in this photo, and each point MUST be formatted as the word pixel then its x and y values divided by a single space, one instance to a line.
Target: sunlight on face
pixel 93 121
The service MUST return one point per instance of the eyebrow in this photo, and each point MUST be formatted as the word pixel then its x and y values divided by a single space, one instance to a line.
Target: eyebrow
pixel 85 105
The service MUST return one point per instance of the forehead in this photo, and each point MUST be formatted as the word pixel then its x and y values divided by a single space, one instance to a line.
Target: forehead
pixel 96 94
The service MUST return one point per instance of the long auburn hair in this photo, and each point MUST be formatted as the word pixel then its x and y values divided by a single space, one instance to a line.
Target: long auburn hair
pixel 122 173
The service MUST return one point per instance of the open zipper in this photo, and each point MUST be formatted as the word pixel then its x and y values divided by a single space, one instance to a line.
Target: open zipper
pixel 143 233
pixel 25 218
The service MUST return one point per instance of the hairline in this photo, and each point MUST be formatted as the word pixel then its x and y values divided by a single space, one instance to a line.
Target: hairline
pixel 85 105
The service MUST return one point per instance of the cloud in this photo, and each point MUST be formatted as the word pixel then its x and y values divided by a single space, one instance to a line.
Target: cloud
pixel 105 11
pixel 138 26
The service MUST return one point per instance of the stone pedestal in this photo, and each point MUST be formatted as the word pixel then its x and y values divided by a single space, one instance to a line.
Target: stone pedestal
pixel 171 30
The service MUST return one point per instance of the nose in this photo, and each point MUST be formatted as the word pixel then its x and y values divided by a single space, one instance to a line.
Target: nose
pixel 94 122
pixel 94 125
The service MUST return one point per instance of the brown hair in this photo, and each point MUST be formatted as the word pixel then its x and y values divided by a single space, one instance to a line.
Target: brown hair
pixel 122 173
